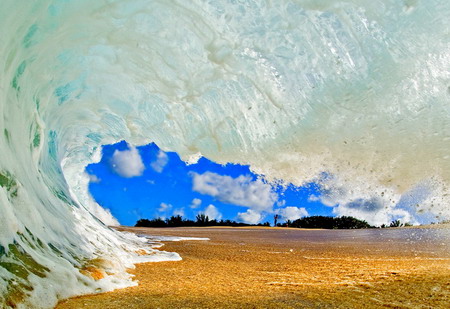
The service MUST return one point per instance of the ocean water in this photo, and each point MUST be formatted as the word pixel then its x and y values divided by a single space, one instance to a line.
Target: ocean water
pixel 355 89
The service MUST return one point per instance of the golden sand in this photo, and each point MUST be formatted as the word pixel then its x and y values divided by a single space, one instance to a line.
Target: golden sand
pixel 282 268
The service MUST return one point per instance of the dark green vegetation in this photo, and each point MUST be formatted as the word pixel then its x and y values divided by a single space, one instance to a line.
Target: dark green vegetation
pixel 396 223
pixel 319 222
pixel 313 222
pixel 201 220
pixel 322 222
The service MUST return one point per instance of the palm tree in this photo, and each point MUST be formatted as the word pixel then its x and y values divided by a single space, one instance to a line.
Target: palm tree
pixel 202 219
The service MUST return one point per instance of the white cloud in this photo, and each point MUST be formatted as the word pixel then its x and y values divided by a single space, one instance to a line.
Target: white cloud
pixel 372 204
pixel 313 198
pixel 94 178
pixel 212 212
pixel 281 203
pixel 196 202
pixel 178 212
pixel 292 213
pixel 375 204
pixel 127 163
pixel 250 216
pixel 377 216
pixel 242 191
pixel 161 160
pixel 164 207
pixel 427 201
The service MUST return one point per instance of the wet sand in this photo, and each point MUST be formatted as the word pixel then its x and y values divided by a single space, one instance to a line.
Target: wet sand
pixel 289 268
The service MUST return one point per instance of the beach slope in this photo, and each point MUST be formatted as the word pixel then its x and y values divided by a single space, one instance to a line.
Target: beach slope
pixel 288 268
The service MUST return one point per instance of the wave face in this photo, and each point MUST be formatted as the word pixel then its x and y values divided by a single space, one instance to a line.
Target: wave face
pixel 295 89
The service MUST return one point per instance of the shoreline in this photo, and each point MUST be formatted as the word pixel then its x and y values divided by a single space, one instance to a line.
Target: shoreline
pixel 424 226
pixel 281 268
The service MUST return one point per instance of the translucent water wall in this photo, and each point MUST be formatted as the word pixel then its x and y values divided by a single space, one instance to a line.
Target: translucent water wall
pixel 297 89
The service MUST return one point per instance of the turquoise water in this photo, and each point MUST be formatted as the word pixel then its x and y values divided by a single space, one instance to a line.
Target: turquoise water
pixel 295 89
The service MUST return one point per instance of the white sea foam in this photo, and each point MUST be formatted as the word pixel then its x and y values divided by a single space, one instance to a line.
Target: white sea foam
pixel 295 89
pixel 171 238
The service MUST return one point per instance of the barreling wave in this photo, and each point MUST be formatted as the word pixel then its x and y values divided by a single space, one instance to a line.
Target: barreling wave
pixel 356 89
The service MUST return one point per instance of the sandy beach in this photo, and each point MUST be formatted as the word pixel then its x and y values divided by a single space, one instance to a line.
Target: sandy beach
pixel 288 268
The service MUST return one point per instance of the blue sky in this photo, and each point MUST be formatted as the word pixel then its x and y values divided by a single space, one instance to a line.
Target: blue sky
pixel 144 182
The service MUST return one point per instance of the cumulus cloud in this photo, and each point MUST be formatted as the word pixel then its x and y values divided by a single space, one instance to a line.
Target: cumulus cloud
pixel 161 161
pixel 242 191
pixel 250 216
pixel 212 212
pixel 313 198
pixel 94 178
pixel 376 216
pixel 291 213
pixel 163 207
pixel 196 202
pixel 178 212
pixel 127 163
pixel 281 203
pixel 376 204
pixel 426 202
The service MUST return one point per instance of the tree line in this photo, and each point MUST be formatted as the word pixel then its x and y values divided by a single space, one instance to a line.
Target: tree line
pixel 318 222
pixel 201 220
pixel 325 222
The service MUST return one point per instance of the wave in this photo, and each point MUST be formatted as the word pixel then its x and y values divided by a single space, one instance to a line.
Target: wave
pixel 295 89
